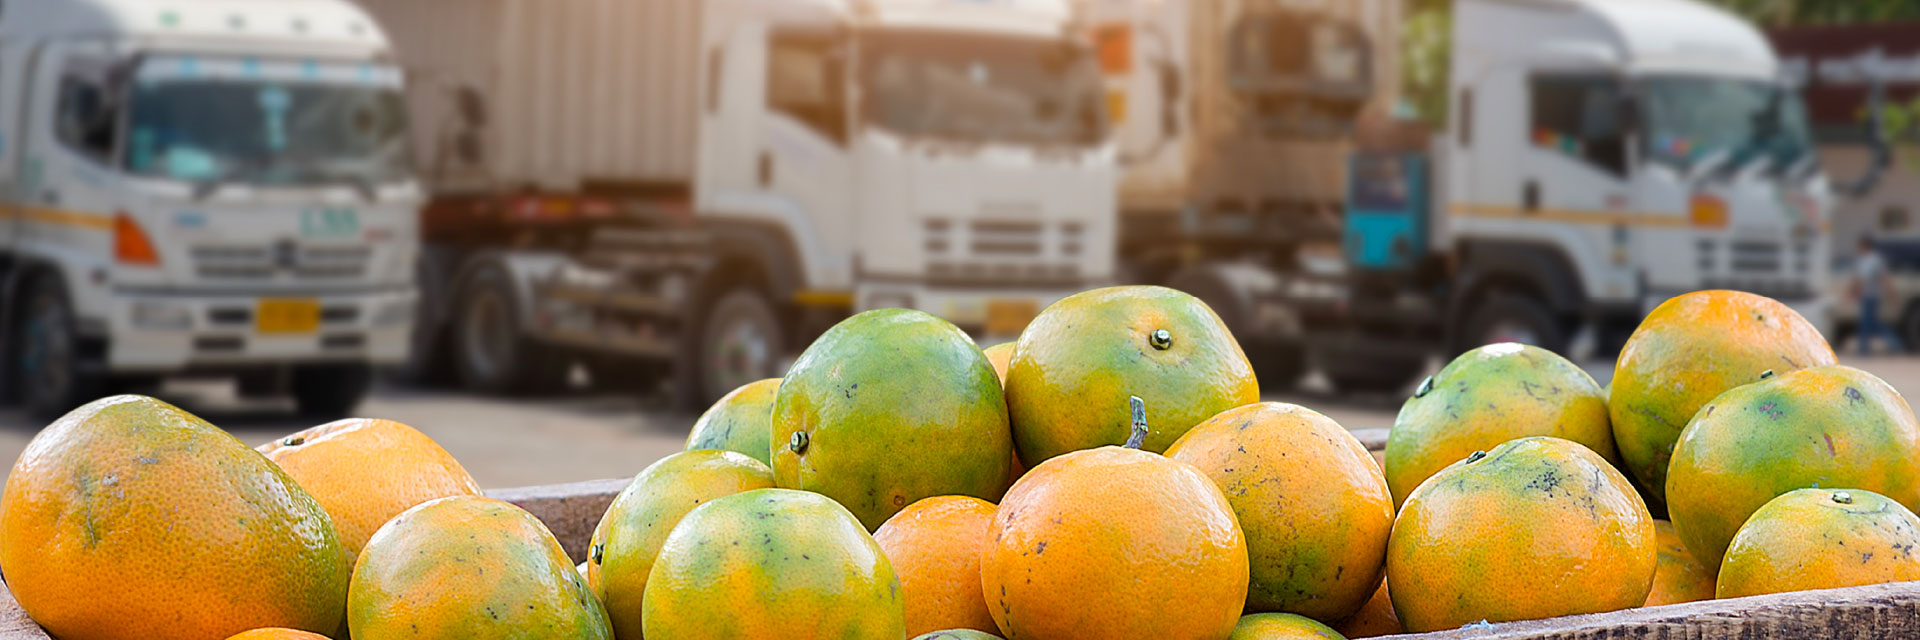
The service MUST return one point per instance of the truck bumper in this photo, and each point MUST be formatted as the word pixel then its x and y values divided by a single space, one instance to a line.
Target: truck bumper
pixel 162 332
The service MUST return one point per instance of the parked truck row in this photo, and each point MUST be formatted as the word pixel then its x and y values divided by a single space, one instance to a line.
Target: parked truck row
pixel 694 188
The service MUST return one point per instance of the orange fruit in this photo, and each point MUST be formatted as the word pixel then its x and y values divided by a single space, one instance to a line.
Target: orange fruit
pixel 1690 349
pixel 772 564
pixel 1282 626
pixel 365 472
pixel 1079 361
pixel 1831 426
pixel 1821 539
pixel 469 567
pixel 1110 544
pixel 999 355
pixel 934 545
pixel 625 544
pixel 1678 577
pixel 276 634
pixel 741 421
pixel 129 518
pixel 1535 528
pixel 1281 465
pixel 880 386
pixel 1487 396
pixel 1375 618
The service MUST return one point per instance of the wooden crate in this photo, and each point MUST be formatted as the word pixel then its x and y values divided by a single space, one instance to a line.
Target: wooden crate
pixel 1879 612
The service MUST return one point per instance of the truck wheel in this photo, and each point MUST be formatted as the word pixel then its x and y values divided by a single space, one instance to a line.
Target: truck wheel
pixel 329 392
pixel 429 361
pixel 1909 329
pixel 1511 318
pixel 46 374
pixel 740 342
pixel 492 353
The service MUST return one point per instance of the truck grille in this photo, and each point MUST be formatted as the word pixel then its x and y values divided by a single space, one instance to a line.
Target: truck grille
pixel 1755 256
pixel 217 262
pixel 1003 251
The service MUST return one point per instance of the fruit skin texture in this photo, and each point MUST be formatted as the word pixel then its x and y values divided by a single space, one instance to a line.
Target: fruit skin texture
pixel 1833 426
pixel 1490 395
pixel 1282 626
pixel 1282 465
pixel 1112 544
pixel 1375 618
pixel 1537 528
pixel 1821 539
pixel 1690 349
pixel 1078 362
pixel 129 518
pixel 934 545
pixel 469 567
pixel 957 634
pixel 741 421
pixel 365 472
pixel 1679 577
pixel 892 406
pixel 772 564
pixel 628 538
pixel 276 633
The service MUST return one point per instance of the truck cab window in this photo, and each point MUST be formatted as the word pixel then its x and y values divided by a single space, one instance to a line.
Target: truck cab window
pixel 805 81
pixel 88 121
pixel 1581 117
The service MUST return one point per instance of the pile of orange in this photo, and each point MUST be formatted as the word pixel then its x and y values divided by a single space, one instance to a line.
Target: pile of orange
pixel 878 491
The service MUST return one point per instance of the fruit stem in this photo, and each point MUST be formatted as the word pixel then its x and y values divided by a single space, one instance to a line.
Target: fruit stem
pixel 1139 435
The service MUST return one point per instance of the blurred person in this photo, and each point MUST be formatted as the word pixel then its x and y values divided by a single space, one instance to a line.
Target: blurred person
pixel 1871 284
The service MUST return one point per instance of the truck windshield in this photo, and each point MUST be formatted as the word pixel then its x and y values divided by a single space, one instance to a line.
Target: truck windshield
pixel 192 122
pixel 980 88
pixel 1690 119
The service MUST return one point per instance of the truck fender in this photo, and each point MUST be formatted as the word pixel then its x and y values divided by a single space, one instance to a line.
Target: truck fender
pixel 1534 268
pixel 764 245
pixel 523 269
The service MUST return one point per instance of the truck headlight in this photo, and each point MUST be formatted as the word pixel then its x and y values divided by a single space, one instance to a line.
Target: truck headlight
pixel 155 314
pixel 396 312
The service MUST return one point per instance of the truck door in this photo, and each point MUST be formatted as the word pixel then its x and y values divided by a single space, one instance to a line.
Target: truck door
pixel 63 183
pixel 16 92
pixel 805 157
pixel 1576 177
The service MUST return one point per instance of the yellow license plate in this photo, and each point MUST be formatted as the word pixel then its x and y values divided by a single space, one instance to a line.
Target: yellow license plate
pixel 287 315
pixel 1010 317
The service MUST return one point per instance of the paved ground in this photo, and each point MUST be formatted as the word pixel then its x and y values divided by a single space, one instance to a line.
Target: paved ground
pixel 515 442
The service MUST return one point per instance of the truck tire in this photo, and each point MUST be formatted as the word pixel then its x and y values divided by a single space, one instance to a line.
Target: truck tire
pixel 492 353
pixel 1506 317
pixel 330 391
pixel 47 374
pixel 740 342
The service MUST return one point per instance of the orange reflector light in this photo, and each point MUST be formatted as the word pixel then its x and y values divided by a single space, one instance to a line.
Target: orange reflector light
pixel 1708 211
pixel 131 244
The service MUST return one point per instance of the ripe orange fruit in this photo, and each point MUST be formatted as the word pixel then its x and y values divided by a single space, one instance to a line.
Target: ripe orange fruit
pixel 469 567
pixel 741 421
pixel 934 545
pixel 1487 396
pixel 880 386
pixel 1375 618
pixel 128 517
pixel 1832 426
pixel 276 634
pixel 1281 466
pixel 1689 350
pixel 1536 528
pixel 772 564
pixel 1821 539
pixel 1678 577
pixel 1282 626
pixel 1110 544
pixel 628 538
pixel 1078 362
pixel 365 472
pixel 999 355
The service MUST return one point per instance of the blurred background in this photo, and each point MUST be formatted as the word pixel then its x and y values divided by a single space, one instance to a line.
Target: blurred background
pixel 549 232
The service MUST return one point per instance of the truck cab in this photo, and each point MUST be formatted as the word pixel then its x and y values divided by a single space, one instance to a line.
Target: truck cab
pixel 945 155
pixel 201 187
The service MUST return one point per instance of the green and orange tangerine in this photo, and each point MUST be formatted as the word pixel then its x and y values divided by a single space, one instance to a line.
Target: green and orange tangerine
pixel 1679 577
pixel 1821 539
pixel 1282 626
pixel 1488 396
pixel 741 421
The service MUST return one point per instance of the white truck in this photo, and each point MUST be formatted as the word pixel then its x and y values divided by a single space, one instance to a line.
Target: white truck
pixel 1621 152
pixel 699 187
pixel 201 187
